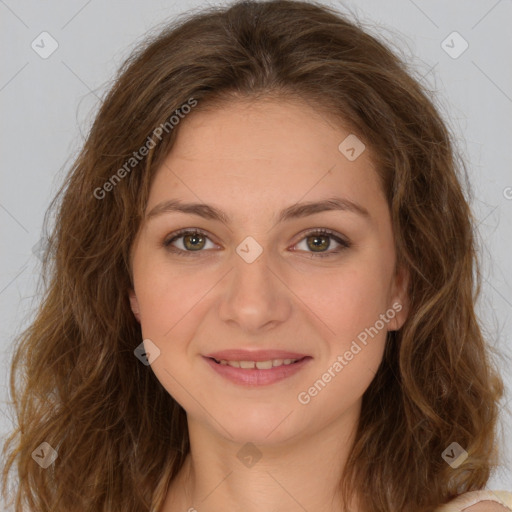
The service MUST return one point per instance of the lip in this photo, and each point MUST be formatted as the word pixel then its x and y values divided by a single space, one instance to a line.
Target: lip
pixel 254 355
pixel 254 377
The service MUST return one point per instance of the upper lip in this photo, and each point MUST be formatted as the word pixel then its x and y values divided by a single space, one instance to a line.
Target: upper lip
pixel 254 355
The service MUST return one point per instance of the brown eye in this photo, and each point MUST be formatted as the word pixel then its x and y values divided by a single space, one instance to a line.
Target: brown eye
pixel 188 241
pixel 194 242
pixel 319 241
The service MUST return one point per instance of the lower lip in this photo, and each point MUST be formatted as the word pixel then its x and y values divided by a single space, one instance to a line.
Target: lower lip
pixel 255 377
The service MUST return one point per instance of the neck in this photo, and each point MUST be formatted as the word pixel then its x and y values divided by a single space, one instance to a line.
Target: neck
pixel 296 474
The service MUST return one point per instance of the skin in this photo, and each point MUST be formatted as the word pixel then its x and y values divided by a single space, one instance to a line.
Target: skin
pixel 252 159
pixel 487 506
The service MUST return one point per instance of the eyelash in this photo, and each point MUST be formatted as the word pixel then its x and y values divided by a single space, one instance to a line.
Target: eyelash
pixel 344 244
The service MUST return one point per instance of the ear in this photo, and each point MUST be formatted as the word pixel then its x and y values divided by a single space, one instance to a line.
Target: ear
pixel 400 298
pixel 134 303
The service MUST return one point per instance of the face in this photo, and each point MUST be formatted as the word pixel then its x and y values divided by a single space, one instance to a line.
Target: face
pixel 266 266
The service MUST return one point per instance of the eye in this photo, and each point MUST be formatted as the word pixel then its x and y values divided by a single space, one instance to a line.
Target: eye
pixel 319 240
pixel 193 241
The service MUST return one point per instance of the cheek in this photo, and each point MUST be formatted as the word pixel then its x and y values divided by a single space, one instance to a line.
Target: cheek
pixel 355 345
pixel 166 295
pixel 172 304
pixel 347 301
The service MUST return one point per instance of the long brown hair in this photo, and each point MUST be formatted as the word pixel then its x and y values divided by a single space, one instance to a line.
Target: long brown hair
pixel 75 381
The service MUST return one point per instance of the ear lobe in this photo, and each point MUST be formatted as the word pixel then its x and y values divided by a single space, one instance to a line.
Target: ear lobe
pixel 134 304
pixel 400 299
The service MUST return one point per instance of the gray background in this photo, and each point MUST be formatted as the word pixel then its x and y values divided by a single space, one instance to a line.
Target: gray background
pixel 47 106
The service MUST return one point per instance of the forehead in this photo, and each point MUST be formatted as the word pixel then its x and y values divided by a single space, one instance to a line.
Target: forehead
pixel 265 128
pixel 276 152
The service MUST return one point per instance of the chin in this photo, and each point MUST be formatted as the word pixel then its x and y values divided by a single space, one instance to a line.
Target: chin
pixel 262 426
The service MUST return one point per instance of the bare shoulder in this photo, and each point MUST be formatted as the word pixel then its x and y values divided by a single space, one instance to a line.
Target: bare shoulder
pixel 479 501
pixel 487 506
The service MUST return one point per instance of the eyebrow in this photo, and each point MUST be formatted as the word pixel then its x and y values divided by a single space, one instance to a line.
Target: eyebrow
pixel 294 211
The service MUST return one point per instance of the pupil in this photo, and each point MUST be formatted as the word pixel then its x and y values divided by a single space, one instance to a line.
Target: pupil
pixel 194 239
pixel 320 245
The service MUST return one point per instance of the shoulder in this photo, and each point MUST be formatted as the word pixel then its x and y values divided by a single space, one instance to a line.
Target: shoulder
pixel 479 501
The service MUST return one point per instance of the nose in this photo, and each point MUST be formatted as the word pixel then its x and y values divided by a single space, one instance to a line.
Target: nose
pixel 255 296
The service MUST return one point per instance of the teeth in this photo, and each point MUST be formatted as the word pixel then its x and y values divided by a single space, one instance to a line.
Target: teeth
pixel 264 365
pixel 260 365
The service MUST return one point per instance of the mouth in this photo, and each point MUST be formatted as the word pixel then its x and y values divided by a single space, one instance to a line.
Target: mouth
pixel 250 373
pixel 260 365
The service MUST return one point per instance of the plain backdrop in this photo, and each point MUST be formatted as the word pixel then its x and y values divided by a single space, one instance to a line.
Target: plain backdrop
pixel 47 105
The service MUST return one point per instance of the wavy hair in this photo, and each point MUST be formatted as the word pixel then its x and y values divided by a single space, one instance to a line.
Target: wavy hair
pixel 75 383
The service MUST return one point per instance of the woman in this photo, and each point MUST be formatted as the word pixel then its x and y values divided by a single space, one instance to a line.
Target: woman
pixel 260 288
